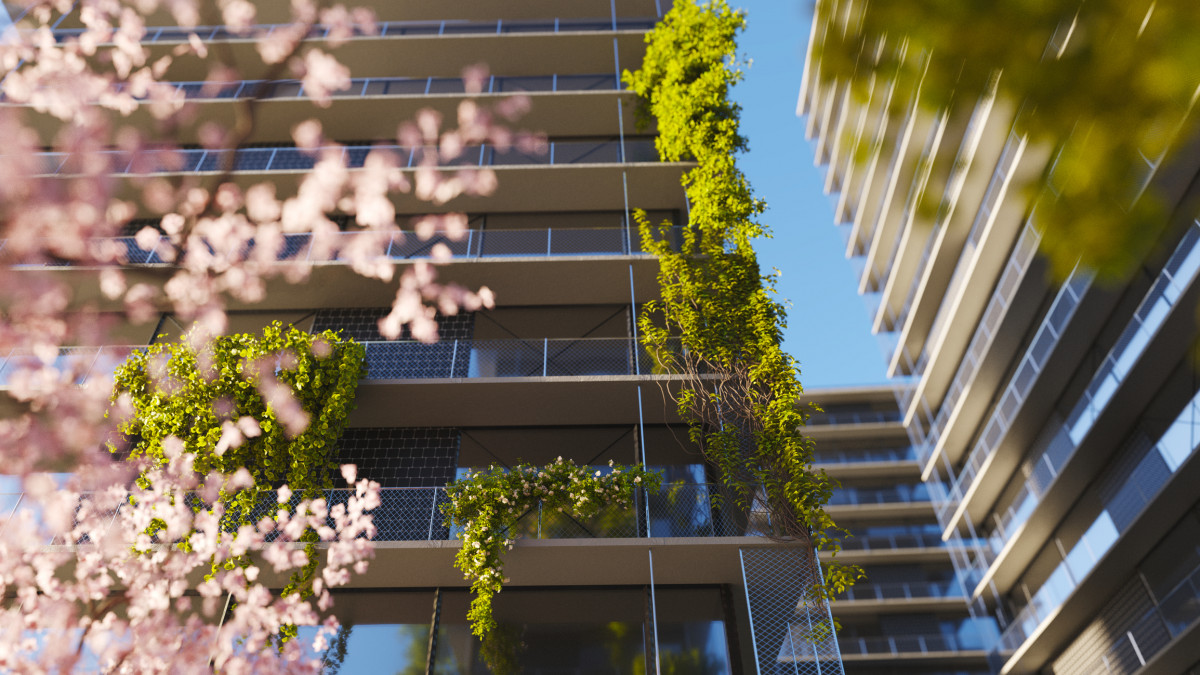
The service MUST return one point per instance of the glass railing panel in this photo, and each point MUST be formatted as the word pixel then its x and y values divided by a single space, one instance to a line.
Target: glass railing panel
pixel 886 495
pixel 395 28
pixel 1018 387
pixel 511 157
pixel 855 417
pixel 852 455
pixel 288 158
pixel 407 245
pixel 907 590
pixel 527 26
pixel 601 82
pixel 583 152
pixel 530 83
pixel 77 365
pixel 900 644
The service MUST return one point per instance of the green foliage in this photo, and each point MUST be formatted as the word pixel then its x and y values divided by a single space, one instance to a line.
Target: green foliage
pixel 487 505
pixel 1105 81
pixel 742 393
pixel 196 394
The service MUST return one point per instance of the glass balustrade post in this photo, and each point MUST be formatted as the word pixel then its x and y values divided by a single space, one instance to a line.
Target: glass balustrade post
pixel 548 231
pixel 545 355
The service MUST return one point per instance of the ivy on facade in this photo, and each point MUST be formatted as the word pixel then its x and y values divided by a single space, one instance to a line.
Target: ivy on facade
pixel 488 504
pixel 741 389
pixel 224 401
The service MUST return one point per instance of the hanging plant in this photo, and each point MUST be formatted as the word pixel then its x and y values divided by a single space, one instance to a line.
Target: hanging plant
pixel 273 405
pixel 740 388
pixel 488 504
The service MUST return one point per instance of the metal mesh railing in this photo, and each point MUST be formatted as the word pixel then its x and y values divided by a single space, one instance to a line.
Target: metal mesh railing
pixel 791 633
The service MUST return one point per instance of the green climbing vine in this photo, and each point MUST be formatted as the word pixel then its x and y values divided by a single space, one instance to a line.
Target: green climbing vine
pixel 488 504
pixel 209 396
pixel 741 389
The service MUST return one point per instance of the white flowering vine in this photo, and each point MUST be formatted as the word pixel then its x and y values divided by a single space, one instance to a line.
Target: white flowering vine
pixel 487 505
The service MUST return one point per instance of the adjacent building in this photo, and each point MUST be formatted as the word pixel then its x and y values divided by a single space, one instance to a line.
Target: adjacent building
pixel 683 582
pixel 1053 423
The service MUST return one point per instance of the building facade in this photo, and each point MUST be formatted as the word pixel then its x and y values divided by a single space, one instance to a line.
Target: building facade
pixel 1053 423
pixel 910 614
pixel 683 582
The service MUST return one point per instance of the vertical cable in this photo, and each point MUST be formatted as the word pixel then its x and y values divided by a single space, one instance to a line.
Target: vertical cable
pixel 616 66
pixel 642 436
pixel 749 613
pixel 637 348
pixel 431 651
pixel 628 221
pixel 654 613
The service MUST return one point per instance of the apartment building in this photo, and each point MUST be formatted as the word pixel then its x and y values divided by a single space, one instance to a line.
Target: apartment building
pixel 1053 423
pixel 683 582
pixel 910 615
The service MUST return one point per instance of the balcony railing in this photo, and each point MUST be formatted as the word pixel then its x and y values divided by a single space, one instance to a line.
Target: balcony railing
pixel 900 644
pixel 398 86
pixel 855 455
pixel 415 514
pixel 289 158
pixel 892 542
pixel 897 494
pixel 484 243
pixel 539 357
pixel 406 359
pixel 76 365
pixel 908 590
pixel 395 28
pixel 837 417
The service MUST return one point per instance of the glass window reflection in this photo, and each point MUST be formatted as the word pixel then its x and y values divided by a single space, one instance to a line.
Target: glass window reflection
pixel 578 631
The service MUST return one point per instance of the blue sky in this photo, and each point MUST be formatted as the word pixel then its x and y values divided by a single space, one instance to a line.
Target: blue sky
pixel 828 331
